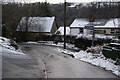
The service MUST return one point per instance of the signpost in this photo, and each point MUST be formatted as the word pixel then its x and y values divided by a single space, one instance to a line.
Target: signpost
pixel 93 36
pixel 91 26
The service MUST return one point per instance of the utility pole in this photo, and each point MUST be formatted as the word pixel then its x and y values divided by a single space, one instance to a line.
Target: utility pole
pixel 93 35
pixel 1 20
pixel 64 24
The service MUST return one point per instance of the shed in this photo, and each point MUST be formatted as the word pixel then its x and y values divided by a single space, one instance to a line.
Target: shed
pixel 35 27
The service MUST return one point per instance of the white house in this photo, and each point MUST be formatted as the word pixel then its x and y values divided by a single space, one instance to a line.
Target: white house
pixel 78 26
pixel 61 30
pixel 101 26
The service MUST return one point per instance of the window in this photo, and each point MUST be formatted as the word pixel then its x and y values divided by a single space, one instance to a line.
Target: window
pixel 81 30
pixel 112 30
pixel 74 31
pixel 100 31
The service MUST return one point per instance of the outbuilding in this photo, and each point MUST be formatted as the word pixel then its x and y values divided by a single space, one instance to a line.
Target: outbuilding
pixel 31 28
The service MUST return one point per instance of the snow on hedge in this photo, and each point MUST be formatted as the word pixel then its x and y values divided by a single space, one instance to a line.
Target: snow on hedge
pixel 96 36
pixel 7 48
pixel 95 59
pixel 7 43
pixel 12 53
pixel 4 42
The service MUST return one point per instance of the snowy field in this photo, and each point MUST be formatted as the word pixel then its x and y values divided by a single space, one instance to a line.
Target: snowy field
pixel 95 59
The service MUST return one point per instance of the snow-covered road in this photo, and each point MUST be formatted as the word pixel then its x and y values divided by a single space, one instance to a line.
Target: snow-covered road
pixel 43 61
pixel 60 65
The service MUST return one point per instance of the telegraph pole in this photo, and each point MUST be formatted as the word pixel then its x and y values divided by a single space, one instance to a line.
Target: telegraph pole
pixel 64 24
pixel 93 35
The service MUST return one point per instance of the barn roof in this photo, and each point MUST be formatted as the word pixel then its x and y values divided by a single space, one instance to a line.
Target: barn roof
pixel 98 23
pixel 36 24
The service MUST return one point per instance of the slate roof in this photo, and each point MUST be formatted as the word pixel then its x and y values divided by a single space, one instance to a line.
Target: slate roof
pixel 98 23
pixel 36 24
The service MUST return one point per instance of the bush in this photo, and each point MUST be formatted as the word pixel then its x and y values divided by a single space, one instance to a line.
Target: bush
pixel 83 43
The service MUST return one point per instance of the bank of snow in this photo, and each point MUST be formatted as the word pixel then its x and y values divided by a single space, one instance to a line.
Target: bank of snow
pixel 4 42
pixel 9 44
pixel 13 54
pixel 95 59
pixel 9 47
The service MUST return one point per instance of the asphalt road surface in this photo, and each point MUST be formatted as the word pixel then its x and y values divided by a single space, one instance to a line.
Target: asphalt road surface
pixel 44 62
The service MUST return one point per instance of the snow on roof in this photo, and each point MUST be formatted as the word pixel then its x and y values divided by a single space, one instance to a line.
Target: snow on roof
pixel 98 23
pixel 113 22
pixel 72 6
pixel 79 22
pixel 36 24
pixel 61 29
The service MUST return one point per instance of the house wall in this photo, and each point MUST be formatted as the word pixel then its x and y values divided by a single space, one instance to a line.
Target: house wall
pixel 106 31
pixel 21 36
pixel 109 31
pixel 75 31
pixel 103 31
pixel 87 31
